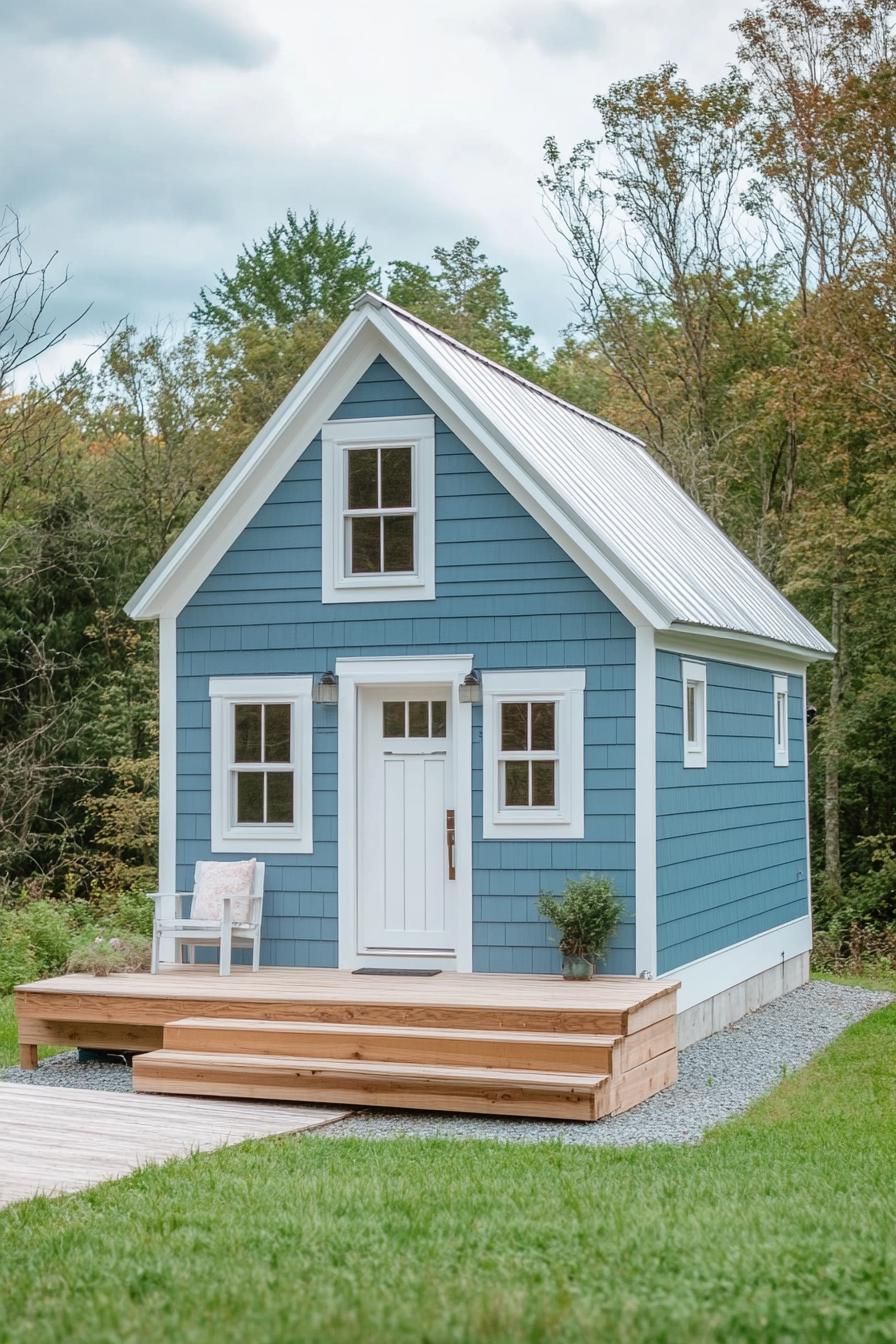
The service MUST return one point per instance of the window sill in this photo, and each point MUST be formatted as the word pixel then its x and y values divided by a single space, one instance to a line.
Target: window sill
pixel 531 828
pixel 404 588
pixel 257 842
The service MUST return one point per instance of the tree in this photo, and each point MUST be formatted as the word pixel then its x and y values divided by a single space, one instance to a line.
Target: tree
pixel 464 295
pixel 300 269
pixel 670 287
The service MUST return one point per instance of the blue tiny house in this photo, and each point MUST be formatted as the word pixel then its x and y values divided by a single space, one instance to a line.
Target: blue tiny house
pixel 439 641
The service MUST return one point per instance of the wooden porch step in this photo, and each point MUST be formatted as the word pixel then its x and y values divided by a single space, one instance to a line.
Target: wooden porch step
pixel 490 1091
pixel 545 1052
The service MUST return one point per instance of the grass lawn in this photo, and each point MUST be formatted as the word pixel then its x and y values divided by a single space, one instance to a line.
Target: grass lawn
pixel 780 1226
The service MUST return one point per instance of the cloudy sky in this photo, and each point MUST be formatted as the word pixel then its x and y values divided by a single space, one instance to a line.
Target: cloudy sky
pixel 146 141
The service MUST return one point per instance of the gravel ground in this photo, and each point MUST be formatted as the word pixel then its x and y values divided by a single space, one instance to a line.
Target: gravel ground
pixel 718 1077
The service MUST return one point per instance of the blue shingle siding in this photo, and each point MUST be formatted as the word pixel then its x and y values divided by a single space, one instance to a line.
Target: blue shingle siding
pixel 506 593
pixel 731 837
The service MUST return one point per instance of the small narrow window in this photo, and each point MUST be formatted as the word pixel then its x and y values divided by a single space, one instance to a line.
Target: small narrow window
pixel 782 740
pixel 693 679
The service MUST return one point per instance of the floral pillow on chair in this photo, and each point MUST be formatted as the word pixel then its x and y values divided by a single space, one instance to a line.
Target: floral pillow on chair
pixel 214 881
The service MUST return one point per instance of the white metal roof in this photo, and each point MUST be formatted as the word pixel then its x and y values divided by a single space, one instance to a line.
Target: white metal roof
pixel 608 480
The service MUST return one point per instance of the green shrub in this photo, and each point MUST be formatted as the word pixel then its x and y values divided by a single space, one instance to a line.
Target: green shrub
pixel 128 911
pixel 36 938
pixel 586 916
pixel 105 954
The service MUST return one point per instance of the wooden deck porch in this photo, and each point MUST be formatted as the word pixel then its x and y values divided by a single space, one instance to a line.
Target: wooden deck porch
pixel 500 1044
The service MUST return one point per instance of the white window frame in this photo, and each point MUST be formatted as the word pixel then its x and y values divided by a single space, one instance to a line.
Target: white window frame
pixel 780 710
pixel 229 836
pixel 566 820
pixel 694 749
pixel 338 438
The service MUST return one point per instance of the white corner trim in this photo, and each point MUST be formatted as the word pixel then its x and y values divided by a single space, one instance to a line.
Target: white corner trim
pixel 337 435
pixel 296 838
pixel 645 801
pixel 694 753
pixel 167 776
pixel 566 821
pixel 711 975
pixel 806 797
pixel 354 673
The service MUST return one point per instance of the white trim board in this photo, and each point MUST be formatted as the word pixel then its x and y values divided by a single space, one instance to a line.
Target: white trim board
pixel 711 975
pixel 645 802
pixel 167 777
pixel 353 673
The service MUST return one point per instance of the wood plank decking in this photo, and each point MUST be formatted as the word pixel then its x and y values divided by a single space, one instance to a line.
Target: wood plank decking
pixel 499 1044
pixel 59 1139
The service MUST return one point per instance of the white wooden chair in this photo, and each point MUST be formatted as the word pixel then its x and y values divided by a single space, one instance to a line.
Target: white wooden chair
pixel 222 933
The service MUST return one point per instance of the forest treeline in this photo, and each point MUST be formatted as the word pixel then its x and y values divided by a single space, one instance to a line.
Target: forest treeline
pixel 732 253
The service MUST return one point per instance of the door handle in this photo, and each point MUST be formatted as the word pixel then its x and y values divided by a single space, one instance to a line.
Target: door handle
pixel 450 838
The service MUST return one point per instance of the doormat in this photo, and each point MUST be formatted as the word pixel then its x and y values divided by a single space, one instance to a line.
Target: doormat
pixel 390 970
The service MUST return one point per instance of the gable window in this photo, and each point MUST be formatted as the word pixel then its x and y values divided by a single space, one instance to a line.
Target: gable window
pixel 693 682
pixel 533 754
pixel 261 764
pixel 378 519
pixel 782 741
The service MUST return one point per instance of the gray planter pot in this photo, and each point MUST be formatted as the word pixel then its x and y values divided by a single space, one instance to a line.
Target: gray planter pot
pixel 577 968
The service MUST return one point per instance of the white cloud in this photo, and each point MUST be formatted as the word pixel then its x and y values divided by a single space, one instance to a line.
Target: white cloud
pixel 148 143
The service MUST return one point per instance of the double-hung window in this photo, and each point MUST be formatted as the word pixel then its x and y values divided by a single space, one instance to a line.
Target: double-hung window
pixel 378 523
pixel 261 764
pixel 782 740
pixel 533 754
pixel 693 684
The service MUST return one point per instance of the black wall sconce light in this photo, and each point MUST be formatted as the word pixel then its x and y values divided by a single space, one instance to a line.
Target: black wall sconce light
pixel 325 690
pixel 469 692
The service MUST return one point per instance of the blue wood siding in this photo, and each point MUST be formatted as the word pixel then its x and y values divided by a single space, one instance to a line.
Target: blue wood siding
pixel 731 837
pixel 506 593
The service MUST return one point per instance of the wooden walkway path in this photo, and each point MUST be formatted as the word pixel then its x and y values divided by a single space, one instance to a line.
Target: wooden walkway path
pixel 57 1139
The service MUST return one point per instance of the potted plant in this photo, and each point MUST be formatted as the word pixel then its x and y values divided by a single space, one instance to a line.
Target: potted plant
pixel 586 916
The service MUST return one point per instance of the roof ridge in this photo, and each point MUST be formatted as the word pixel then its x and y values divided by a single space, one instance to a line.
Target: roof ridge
pixel 377 301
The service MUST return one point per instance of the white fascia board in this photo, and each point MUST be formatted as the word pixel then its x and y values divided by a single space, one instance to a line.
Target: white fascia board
pixel 366 333
pixel 702 637
pixel 743 650
pixel 515 473
pixel 276 447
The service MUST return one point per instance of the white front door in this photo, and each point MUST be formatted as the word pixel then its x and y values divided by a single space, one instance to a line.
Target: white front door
pixel 405 815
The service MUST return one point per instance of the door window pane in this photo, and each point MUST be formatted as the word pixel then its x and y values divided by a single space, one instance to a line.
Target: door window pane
pixel 246 733
pixel 395 478
pixel 439 718
pixel 393 718
pixel 365 545
pixel 543 727
pixel 418 718
pixel 362 488
pixel 277 733
pixel 514 727
pixel 398 544
pixel 543 787
pixel 516 783
pixel 280 797
pixel 249 796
